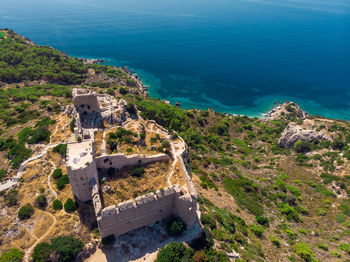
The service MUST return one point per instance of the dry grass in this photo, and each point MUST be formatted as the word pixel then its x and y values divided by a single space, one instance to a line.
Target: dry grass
pixel 60 131
pixel 123 186
pixel 98 142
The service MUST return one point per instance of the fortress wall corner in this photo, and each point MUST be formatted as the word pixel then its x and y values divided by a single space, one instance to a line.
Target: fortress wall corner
pixel 128 216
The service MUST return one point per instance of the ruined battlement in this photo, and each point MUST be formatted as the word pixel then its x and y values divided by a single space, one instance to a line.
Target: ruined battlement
pixel 119 160
pixel 91 111
pixel 147 209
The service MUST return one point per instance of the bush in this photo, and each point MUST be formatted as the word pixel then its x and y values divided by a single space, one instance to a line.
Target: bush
pixel 289 212
pixel 25 211
pixel 72 124
pixel 70 206
pixel 302 146
pixel 61 149
pixel 322 246
pixel 108 240
pixel 12 255
pixel 11 197
pixel 303 250
pixel 275 241
pixel 209 220
pixel 123 90
pixel 338 144
pixel 262 220
pixel 57 204
pixel 63 248
pixel 40 201
pixel 57 173
pixel 175 226
pixel 174 252
pixel 62 181
pixel 258 230
pixel 137 171
pixel 42 252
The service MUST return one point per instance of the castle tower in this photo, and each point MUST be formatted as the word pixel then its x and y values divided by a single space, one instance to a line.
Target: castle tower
pixel 81 168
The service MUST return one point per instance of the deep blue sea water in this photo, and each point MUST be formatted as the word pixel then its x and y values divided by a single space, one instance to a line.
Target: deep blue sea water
pixel 236 56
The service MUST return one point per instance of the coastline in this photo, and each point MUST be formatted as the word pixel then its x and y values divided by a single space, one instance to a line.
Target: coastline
pixel 261 109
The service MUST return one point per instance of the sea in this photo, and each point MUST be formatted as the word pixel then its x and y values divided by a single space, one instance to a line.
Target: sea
pixel 234 56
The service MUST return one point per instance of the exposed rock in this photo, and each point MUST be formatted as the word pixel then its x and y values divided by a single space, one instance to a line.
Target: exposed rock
pixel 294 132
pixel 233 255
pixel 287 108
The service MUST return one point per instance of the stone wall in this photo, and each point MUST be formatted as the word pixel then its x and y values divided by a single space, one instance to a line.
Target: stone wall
pixel 146 210
pixel 85 103
pixel 118 161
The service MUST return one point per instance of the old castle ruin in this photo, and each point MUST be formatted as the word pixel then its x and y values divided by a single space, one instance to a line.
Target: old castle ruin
pixel 95 113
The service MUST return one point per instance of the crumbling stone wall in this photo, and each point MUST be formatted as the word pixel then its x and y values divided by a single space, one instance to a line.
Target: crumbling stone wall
pixel 85 103
pixel 146 210
pixel 118 161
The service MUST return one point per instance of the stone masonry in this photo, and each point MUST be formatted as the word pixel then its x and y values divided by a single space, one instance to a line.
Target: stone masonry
pixel 84 168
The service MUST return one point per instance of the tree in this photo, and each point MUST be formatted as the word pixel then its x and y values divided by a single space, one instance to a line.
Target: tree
pixel 70 206
pixel 57 204
pixel 174 252
pixel 40 201
pixel 11 197
pixel 25 211
pixel 66 247
pixel 57 173
pixel 63 248
pixel 42 252
pixel 12 255
pixel 63 180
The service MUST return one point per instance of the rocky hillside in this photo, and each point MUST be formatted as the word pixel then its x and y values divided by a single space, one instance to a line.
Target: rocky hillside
pixel 274 189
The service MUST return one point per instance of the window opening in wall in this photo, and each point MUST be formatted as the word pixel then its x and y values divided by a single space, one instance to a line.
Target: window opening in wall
pixel 88 106
pixel 82 105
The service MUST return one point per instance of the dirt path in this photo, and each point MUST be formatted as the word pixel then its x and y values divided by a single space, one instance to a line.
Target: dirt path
pixel 29 251
pixel 49 179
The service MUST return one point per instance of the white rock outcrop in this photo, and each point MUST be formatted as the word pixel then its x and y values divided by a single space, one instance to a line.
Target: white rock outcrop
pixel 294 132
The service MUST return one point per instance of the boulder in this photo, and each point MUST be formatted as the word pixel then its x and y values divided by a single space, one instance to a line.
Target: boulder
pixel 294 132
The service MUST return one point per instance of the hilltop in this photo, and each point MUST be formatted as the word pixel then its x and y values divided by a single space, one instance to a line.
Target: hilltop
pixel 274 189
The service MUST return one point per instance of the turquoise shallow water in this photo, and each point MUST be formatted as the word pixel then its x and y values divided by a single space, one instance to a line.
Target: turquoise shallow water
pixel 236 56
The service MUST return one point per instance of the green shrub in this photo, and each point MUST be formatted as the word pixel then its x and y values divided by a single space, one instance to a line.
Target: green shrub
pixel 41 252
pixel 40 201
pixel 262 220
pixel 72 124
pixel 12 255
pixel 174 252
pixel 3 173
pixel 322 246
pixel 25 212
pixel 275 241
pixel 209 220
pixel 70 206
pixel 57 204
pixel 289 212
pixel 245 193
pixel 345 247
pixel 61 149
pixel 257 230
pixel 175 226
pixel 123 90
pixel 335 253
pixel 302 146
pixel 57 173
pixel 137 171
pixel 62 181
pixel 345 207
pixel 303 250
pixel 11 198
pixel 66 247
